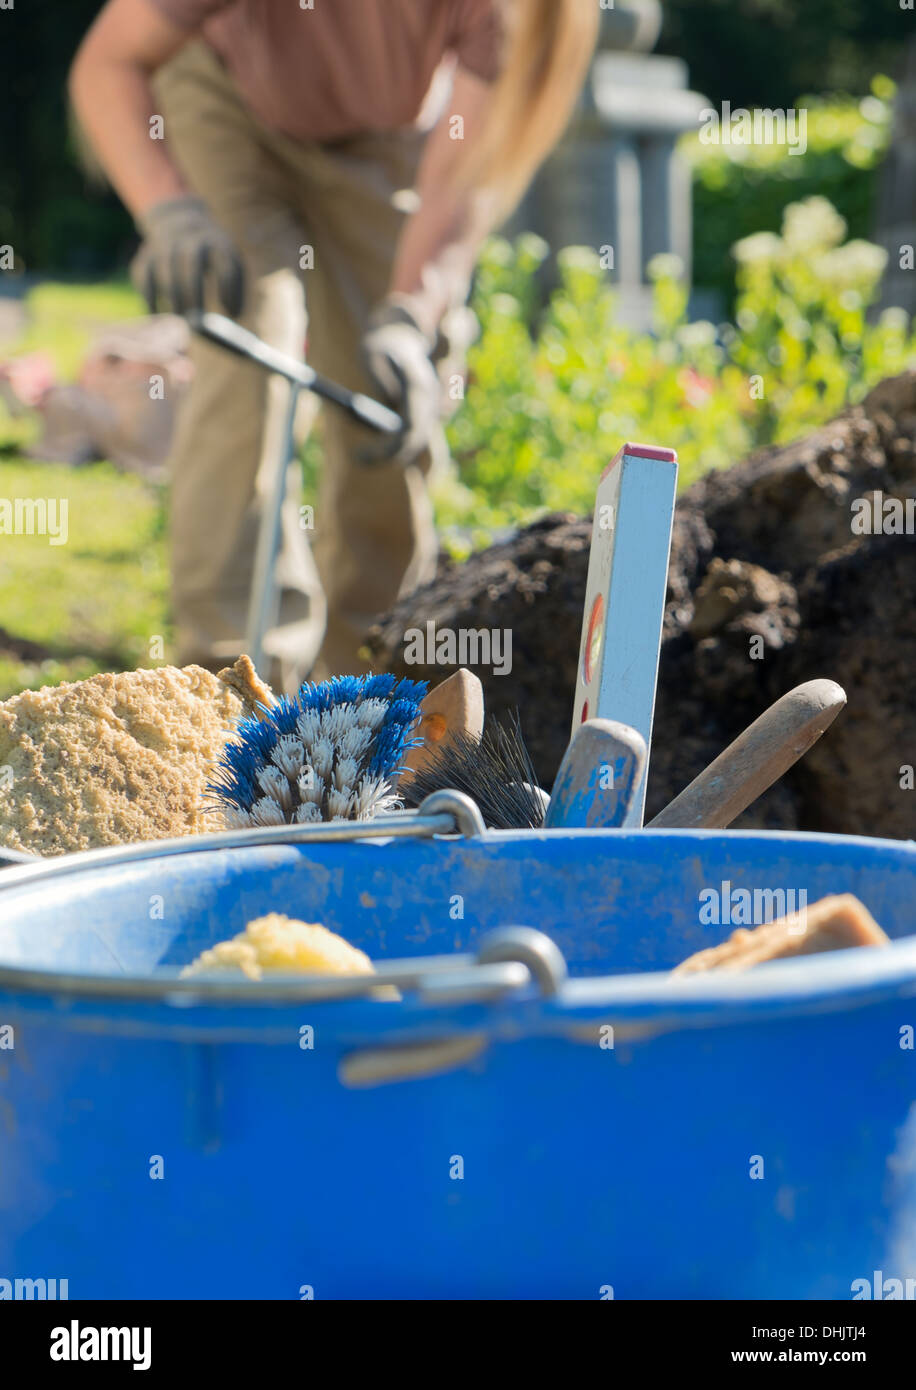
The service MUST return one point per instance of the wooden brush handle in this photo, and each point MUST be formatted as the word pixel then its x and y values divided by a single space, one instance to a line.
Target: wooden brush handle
pixel 756 759
pixel 599 777
pixel 455 706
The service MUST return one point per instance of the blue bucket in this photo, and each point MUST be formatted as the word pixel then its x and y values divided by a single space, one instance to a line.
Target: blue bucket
pixel 751 1136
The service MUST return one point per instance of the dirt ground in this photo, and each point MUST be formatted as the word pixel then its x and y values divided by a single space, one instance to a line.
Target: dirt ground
pixel 766 549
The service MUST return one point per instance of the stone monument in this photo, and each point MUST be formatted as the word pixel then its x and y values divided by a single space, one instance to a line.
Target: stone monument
pixel 616 181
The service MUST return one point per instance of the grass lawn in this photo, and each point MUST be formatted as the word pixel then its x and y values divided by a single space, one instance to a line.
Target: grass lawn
pixel 97 602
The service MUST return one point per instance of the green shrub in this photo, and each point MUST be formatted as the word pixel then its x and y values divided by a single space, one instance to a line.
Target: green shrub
pixel 742 189
pixel 549 403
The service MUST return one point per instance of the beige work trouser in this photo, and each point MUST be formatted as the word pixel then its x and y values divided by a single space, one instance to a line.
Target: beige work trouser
pixel 374 535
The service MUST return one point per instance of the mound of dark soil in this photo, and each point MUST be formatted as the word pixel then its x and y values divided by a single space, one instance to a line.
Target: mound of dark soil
pixel 766 550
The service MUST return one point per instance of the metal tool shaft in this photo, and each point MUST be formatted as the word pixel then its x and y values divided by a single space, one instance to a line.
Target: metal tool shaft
pixel 263 597
pixel 230 335
pixel 216 328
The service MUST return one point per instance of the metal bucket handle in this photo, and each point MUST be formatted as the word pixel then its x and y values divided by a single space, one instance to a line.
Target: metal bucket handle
pixel 443 812
pixel 508 958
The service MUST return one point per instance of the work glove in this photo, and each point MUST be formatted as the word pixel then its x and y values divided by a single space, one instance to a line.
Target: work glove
pixel 397 353
pixel 181 245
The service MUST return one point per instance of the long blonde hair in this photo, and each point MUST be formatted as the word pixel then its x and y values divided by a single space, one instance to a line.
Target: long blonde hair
pixel 548 48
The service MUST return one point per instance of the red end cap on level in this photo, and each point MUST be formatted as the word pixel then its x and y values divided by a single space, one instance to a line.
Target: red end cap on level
pixel 641 451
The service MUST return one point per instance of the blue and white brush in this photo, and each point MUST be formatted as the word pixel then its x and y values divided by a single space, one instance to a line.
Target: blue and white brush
pixel 330 753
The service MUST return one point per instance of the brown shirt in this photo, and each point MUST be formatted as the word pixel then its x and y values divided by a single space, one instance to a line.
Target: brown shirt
pixel 345 66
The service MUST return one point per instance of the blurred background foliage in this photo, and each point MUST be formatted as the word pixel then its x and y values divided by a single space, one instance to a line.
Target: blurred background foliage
pixel 554 386
pixel 53 219
pixel 741 189
pixel 748 52
pixel 766 52
pixel 553 389
pixel 552 393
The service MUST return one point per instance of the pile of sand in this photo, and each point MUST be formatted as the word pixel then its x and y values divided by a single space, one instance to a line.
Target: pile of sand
pixel 116 758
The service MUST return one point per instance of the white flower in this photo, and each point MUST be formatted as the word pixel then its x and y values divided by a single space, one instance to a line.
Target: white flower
pixel 665 266
pixel 894 320
pixel 699 334
pixel 534 246
pixel 812 224
pixel 507 306
pixel 579 258
pixel 857 264
pixel 762 246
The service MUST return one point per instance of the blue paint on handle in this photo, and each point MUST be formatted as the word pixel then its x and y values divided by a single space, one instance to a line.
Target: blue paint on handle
pixel 599 777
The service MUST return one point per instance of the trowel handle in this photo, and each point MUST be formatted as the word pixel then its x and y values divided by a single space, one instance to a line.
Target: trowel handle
pixel 230 335
pixel 756 759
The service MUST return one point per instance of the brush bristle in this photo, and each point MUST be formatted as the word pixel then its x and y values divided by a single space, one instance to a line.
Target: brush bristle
pixel 496 772
pixel 328 753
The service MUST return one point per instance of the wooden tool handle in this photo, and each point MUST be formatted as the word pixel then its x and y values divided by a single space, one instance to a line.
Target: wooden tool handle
pixel 756 759
pixel 454 706
pixel 599 777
